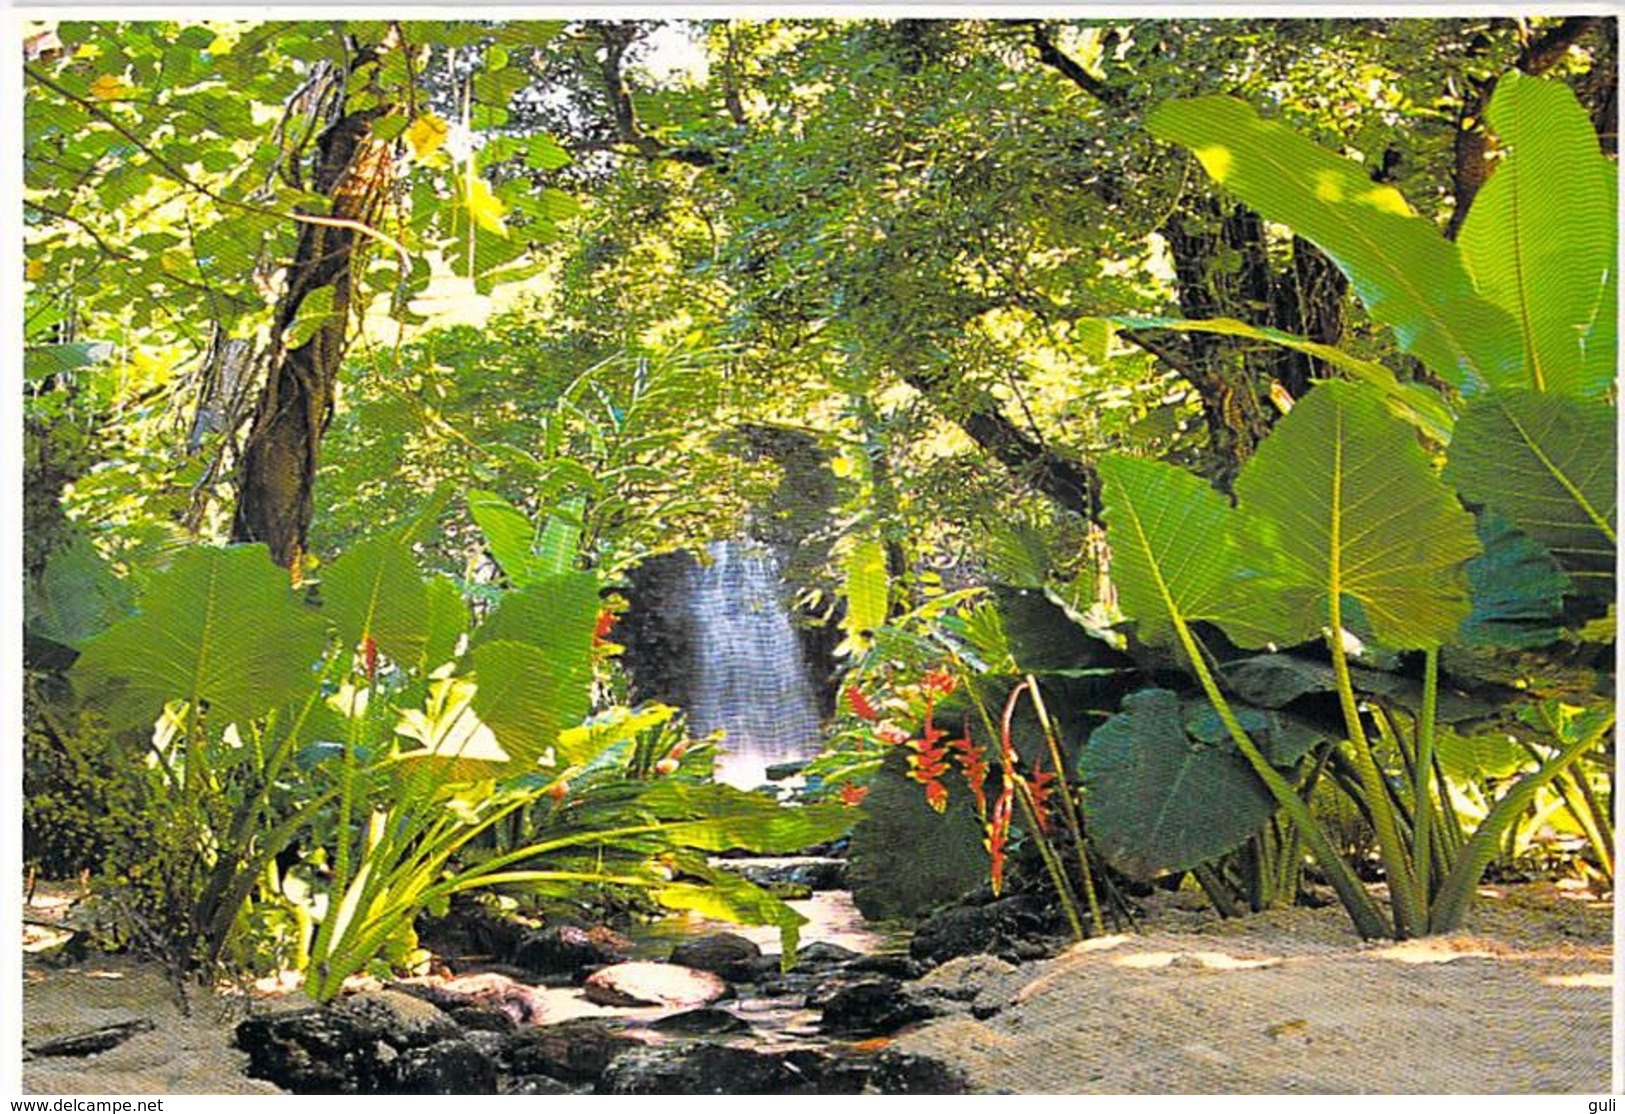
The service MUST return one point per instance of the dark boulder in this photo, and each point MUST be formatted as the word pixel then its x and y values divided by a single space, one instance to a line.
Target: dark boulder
pixel 705 1022
pixel 705 1069
pixel 450 1067
pixel 723 953
pixel 569 949
pixel 1009 927
pixel 905 1073
pixel 872 1007
pixel 575 1051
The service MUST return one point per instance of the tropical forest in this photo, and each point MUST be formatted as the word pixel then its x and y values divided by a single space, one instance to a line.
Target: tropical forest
pixel 818 555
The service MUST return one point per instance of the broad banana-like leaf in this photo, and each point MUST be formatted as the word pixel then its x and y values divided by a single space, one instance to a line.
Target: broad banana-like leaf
pixel 219 627
pixel 1159 799
pixel 1548 463
pixel 76 598
pixel 721 818
pixel 1420 406
pixel 1358 511
pixel 374 590
pixel 1541 239
pixel 528 696
pixel 1177 554
pixel 1407 274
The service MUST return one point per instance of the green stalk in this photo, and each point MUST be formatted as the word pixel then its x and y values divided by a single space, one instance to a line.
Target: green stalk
pixel 1410 910
pixel 1368 921
pixel 1423 793
pixel 1596 818
pixel 1460 884
pixel 1069 809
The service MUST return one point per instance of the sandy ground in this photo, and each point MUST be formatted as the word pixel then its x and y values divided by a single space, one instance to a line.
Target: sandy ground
pixel 1286 1002
pixel 1292 1002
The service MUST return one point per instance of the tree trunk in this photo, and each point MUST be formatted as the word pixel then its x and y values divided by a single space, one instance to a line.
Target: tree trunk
pixel 276 480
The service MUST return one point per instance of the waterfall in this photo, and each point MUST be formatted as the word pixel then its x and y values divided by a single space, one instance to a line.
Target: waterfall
pixel 750 678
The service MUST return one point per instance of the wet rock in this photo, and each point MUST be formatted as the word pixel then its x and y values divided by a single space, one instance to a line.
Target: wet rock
pixel 396 1018
pixel 906 1073
pixel 493 1045
pixel 705 1022
pixel 895 966
pixel 450 1067
pixel 654 984
pixel 93 1041
pixel 479 1019
pixel 705 1069
pixel 575 1051
pixel 811 876
pixel 821 953
pixel 872 1007
pixel 316 1052
pixel 522 1003
pixel 568 949
pixel 968 930
pixel 537 1085
pixel 722 953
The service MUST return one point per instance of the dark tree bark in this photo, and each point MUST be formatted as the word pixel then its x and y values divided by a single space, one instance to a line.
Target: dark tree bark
pixel 277 475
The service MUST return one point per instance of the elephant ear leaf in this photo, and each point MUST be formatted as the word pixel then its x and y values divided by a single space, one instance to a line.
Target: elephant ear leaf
pixel 1160 798
pixel 1177 557
pixel 1358 512
pixel 219 627
pixel 374 591
pixel 1541 238
pixel 1408 275
pixel 1548 463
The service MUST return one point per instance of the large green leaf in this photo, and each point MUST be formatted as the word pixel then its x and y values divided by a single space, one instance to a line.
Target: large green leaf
pixel 374 590
pixel 1406 273
pixel 1541 239
pixel 867 592
pixel 1517 589
pixel 527 696
pixel 557 614
pixel 1159 799
pixel 218 627
pixel 1358 511
pixel 1175 552
pixel 1547 463
pixel 717 818
pixel 76 597
pixel 510 535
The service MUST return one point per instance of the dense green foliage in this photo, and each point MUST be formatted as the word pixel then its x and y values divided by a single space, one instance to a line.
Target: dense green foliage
pixel 1208 420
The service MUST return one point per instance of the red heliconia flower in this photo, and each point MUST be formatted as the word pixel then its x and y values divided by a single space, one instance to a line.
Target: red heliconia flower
pixel 559 790
pixel 973 761
pixel 938 682
pixel 1041 784
pixel 998 833
pixel 927 765
pixel 666 766
pixel 860 705
pixel 369 657
pixel 852 795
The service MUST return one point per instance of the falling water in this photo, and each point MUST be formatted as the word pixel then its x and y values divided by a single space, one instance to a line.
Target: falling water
pixel 751 680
